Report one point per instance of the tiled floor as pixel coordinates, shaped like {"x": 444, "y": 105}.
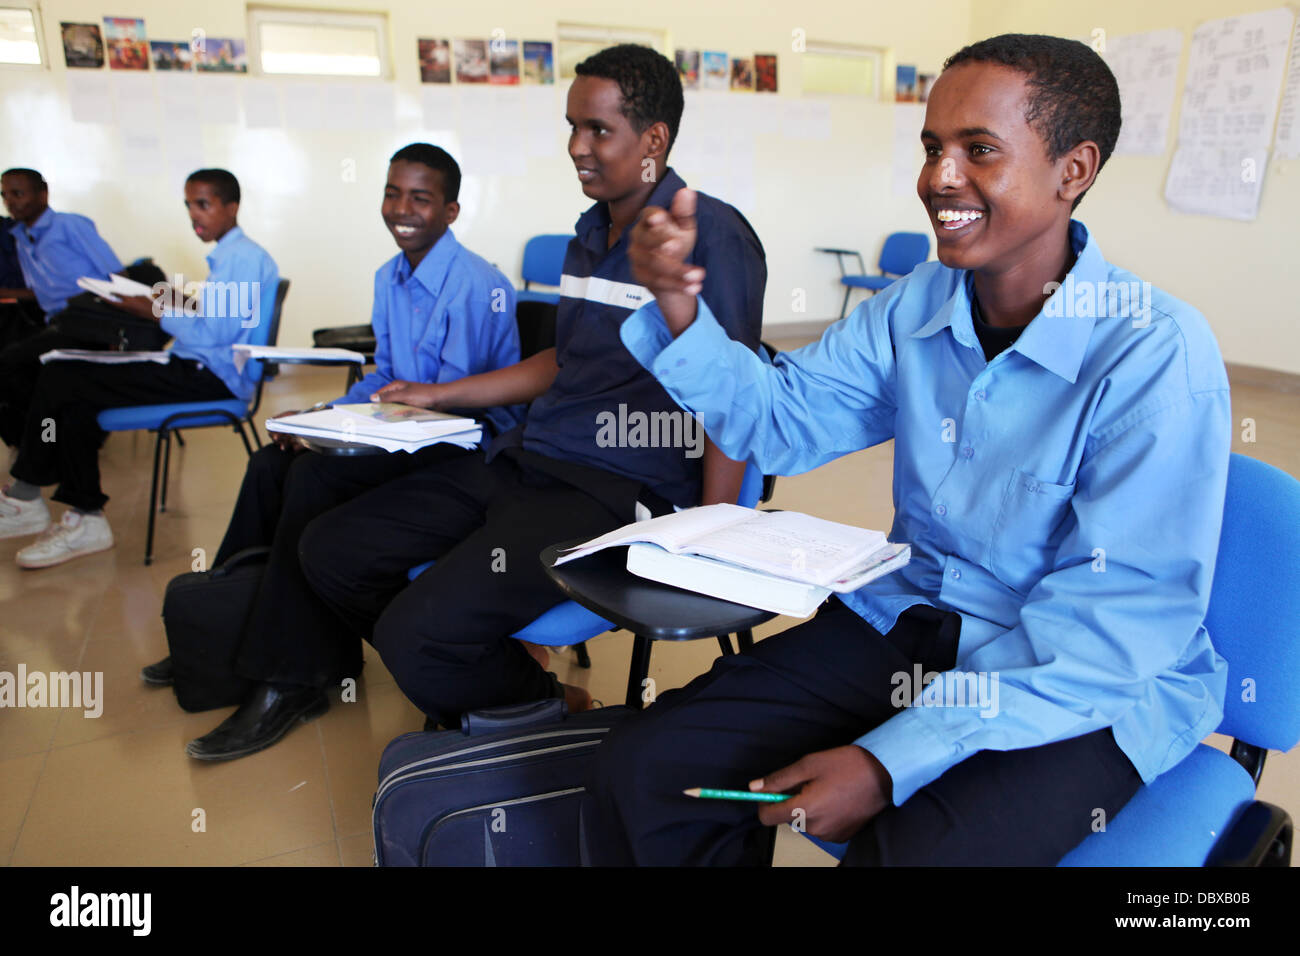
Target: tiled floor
{"x": 119, "y": 790}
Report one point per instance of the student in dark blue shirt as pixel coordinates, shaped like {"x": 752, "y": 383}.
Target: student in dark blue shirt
{"x": 440, "y": 312}
{"x": 581, "y": 464}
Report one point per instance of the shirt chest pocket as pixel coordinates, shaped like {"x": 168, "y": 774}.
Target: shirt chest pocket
{"x": 1030, "y": 527}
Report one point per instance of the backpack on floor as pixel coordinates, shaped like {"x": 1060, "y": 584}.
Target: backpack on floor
{"x": 204, "y": 613}
{"x": 504, "y": 790}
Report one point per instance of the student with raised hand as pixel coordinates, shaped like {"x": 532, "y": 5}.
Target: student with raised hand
{"x": 486, "y": 517}
{"x": 54, "y": 250}
{"x": 1060, "y": 464}
{"x": 61, "y": 436}
{"x": 440, "y": 312}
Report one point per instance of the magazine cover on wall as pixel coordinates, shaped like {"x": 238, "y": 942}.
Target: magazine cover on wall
{"x": 688, "y": 68}
{"x": 503, "y": 62}
{"x": 713, "y": 71}
{"x": 221, "y": 55}
{"x": 742, "y": 74}
{"x": 83, "y": 45}
{"x": 765, "y": 72}
{"x": 435, "y": 61}
{"x": 471, "y": 61}
{"x": 539, "y": 65}
{"x": 127, "y": 48}
{"x": 905, "y": 84}
{"x": 923, "y": 83}
{"x": 171, "y": 55}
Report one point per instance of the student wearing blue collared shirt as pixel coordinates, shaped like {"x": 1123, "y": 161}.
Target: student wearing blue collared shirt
{"x": 1060, "y": 460}
{"x": 446, "y": 636}
{"x": 231, "y": 306}
{"x": 441, "y": 312}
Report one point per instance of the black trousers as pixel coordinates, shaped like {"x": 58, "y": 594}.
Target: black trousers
{"x": 20, "y": 367}
{"x": 446, "y": 635}
{"x": 61, "y": 437}
{"x": 291, "y": 637}
{"x": 816, "y": 686}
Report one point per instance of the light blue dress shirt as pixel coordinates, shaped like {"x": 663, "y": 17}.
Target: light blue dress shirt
{"x": 56, "y": 251}
{"x": 453, "y": 316}
{"x": 238, "y": 301}
{"x": 1064, "y": 498}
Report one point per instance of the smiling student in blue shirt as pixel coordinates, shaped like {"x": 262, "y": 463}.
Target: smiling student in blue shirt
{"x": 236, "y": 299}
{"x": 440, "y": 313}
{"x": 1059, "y": 469}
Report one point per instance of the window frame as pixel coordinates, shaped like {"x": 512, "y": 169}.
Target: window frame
{"x": 877, "y": 56}
{"x": 607, "y": 35}
{"x": 33, "y": 7}
{"x": 376, "y": 20}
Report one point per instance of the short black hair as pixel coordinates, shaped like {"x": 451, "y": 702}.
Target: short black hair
{"x": 222, "y": 181}
{"x": 648, "y": 81}
{"x": 36, "y": 179}
{"x": 436, "y": 158}
{"x": 1073, "y": 96}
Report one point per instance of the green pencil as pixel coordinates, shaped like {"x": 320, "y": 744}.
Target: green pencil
{"x": 706, "y": 794}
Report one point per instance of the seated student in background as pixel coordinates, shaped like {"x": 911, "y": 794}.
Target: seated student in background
{"x": 440, "y": 313}
{"x": 54, "y": 250}
{"x": 1059, "y": 469}
{"x": 485, "y": 517}
{"x": 61, "y": 437}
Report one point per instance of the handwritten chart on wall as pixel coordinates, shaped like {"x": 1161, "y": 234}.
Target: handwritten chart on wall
{"x": 1146, "y": 67}
{"x": 1287, "y": 144}
{"x": 1230, "y": 100}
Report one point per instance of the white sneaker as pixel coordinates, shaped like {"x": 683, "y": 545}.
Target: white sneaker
{"x": 74, "y": 536}
{"x": 18, "y": 518}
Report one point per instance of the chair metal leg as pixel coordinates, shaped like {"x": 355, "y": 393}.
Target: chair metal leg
{"x": 745, "y": 639}
{"x": 724, "y": 642}
{"x": 239, "y": 427}
{"x": 844, "y": 306}
{"x": 257, "y": 439}
{"x": 179, "y": 440}
{"x": 153, "y": 501}
{"x": 166, "y": 437}
{"x": 639, "y": 669}
{"x": 584, "y": 659}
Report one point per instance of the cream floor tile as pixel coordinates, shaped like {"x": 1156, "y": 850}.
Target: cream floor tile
{"x": 19, "y": 775}
{"x": 357, "y": 850}
{"x": 323, "y": 854}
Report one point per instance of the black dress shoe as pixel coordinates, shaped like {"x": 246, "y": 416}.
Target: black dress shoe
{"x": 160, "y": 674}
{"x": 264, "y": 717}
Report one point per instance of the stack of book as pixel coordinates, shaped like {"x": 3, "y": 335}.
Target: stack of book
{"x": 114, "y": 287}
{"x": 385, "y": 425}
{"x": 780, "y": 561}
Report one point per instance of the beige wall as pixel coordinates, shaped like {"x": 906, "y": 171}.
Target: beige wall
{"x": 1235, "y": 273}
{"x": 326, "y": 234}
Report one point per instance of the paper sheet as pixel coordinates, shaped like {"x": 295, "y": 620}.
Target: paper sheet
{"x": 1287, "y": 145}
{"x": 1146, "y": 67}
{"x": 90, "y": 97}
{"x": 262, "y": 104}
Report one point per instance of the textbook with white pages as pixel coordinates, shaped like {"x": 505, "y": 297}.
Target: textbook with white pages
{"x": 781, "y": 561}
{"x": 114, "y": 287}
{"x": 104, "y": 358}
{"x": 271, "y": 353}
{"x": 387, "y": 425}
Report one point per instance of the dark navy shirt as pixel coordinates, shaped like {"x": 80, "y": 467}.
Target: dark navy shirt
{"x": 603, "y": 409}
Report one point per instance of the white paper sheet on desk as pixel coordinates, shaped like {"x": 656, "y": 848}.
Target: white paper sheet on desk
{"x": 243, "y": 352}
{"x": 104, "y": 358}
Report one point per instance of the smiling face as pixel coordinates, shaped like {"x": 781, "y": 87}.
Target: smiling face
{"x": 210, "y": 217}
{"x": 605, "y": 147}
{"x": 996, "y": 199}
{"x": 24, "y": 199}
{"x": 414, "y": 209}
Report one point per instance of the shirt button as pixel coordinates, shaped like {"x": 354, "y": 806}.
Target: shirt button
{"x": 980, "y": 395}
{"x": 1031, "y": 487}
{"x": 941, "y": 510}
{"x": 967, "y": 452}
{"x": 955, "y": 574}
{"x": 681, "y": 362}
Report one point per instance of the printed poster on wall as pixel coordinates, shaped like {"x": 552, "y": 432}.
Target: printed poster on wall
{"x": 83, "y": 46}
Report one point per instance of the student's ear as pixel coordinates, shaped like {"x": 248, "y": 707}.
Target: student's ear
{"x": 451, "y": 211}
{"x": 1078, "y": 170}
{"x": 654, "y": 141}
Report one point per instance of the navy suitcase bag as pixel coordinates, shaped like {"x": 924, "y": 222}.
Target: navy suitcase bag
{"x": 504, "y": 790}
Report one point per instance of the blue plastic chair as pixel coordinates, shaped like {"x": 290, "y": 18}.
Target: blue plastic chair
{"x": 902, "y": 252}
{"x": 1203, "y": 812}
{"x": 164, "y": 420}
{"x": 543, "y": 263}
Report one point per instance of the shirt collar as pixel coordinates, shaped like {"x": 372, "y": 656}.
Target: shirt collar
{"x": 593, "y": 225}
{"x": 1056, "y": 338}
{"x": 223, "y": 246}
{"x": 433, "y": 268}
{"x": 43, "y": 222}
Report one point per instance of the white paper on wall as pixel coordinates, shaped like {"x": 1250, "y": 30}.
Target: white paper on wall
{"x": 543, "y": 121}
{"x": 1287, "y": 145}
{"x": 141, "y": 150}
{"x": 807, "y": 119}
{"x": 90, "y": 98}
{"x": 907, "y": 154}
{"x": 262, "y": 104}
{"x": 441, "y": 107}
{"x": 376, "y": 105}
{"x": 136, "y": 105}
{"x": 1146, "y": 68}
{"x": 179, "y": 95}
{"x": 218, "y": 99}
{"x": 1217, "y": 181}
{"x": 304, "y": 105}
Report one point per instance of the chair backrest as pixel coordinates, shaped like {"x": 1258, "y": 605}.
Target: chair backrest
{"x": 1254, "y": 613}
{"x": 544, "y": 259}
{"x": 903, "y": 252}
{"x": 270, "y": 337}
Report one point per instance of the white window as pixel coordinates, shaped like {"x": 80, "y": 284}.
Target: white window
{"x": 318, "y": 43}
{"x": 578, "y": 41}
{"x": 20, "y": 37}
{"x": 840, "y": 68}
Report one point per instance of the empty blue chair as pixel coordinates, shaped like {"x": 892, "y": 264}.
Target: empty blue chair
{"x": 544, "y": 264}
{"x": 902, "y": 252}
{"x": 1203, "y": 812}
{"x": 163, "y": 420}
